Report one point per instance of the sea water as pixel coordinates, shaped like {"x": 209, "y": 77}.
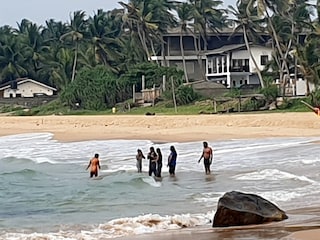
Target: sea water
{"x": 45, "y": 191}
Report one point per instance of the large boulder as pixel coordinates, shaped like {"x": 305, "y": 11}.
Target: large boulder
{"x": 237, "y": 208}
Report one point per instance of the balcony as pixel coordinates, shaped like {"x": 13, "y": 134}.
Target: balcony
{"x": 239, "y": 69}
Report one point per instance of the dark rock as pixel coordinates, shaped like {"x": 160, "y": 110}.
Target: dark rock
{"x": 237, "y": 208}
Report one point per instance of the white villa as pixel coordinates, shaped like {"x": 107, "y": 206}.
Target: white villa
{"x": 224, "y": 59}
{"x": 232, "y": 66}
{"x": 25, "y": 87}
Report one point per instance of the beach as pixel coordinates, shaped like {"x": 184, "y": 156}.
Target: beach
{"x": 181, "y": 128}
{"x": 178, "y": 128}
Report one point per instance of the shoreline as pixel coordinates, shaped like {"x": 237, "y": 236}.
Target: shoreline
{"x": 175, "y": 128}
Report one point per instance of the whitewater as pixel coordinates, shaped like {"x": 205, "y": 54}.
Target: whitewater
{"x": 46, "y": 192}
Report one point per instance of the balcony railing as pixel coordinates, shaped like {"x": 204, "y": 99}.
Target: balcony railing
{"x": 231, "y": 69}
{"x": 239, "y": 69}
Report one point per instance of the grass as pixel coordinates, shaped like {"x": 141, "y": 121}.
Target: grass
{"x": 161, "y": 108}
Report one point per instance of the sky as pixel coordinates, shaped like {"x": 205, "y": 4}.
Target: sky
{"x": 38, "y": 11}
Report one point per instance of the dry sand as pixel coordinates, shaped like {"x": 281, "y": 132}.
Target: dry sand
{"x": 179, "y": 128}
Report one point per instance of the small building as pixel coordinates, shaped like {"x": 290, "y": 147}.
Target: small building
{"x": 25, "y": 87}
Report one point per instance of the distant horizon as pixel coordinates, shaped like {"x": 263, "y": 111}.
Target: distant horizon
{"x": 38, "y": 11}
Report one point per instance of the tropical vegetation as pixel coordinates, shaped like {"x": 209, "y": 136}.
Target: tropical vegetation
{"x": 95, "y": 60}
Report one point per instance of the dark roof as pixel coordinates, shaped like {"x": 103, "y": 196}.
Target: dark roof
{"x": 226, "y": 48}
{"x": 231, "y": 47}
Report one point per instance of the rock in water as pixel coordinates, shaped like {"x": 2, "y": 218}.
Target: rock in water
{"x": 237, "y": 208}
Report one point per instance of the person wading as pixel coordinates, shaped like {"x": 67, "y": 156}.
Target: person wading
{"x": 152, "y": 156}
{"x": 94, "y": 164}
{"x": 207, "y": 155}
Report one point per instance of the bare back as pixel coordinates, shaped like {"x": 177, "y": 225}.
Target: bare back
{"x": 94, "y": 164}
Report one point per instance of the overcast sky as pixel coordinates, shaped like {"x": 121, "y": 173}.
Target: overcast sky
{"x": 38, "y": 11}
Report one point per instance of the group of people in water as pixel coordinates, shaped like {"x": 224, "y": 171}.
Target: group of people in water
{"x": 155, "y": 161}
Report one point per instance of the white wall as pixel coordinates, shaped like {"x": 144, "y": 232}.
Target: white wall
{"x": 301, "y": 87}
{"x": 27, "y": 89}
{"x": 257, "y": 52}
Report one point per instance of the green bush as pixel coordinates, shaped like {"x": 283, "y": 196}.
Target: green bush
{"x": 271, "y": 93}
{"x": 185, "y": 95}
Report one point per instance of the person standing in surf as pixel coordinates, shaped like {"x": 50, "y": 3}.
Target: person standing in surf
{"x": 139, "y": 158}
{"x": 207, "y": 155}
{"x": 159, "y": 162}
{"x": 152, "y": 156}
{"x": 172, "y": 161}
{"x": 94, "y": 164}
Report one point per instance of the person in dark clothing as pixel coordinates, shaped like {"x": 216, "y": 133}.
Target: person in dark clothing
{"x": 172, "y": 161}
{"x": 152, "y": 156}
{"x": 159, "y": 162}
{"x": 139, "y": 158}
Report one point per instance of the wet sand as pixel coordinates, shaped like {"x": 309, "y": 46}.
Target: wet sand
{"x": 184, "y": 128}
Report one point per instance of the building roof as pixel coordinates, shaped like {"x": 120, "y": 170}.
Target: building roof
{"x": 231, "y": 47}
{"x": 226, "y": 48}
{"x": 209, "y": 32}
{"x": 20, "y": 81}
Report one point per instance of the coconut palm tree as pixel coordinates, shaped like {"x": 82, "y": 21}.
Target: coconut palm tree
{"x": 12, "y": 60}
{"x": 138, "y": 18}
{"x": 208, "y": 16}
{"x": 185, "y": 16}
{"x": 35, "y": 47}
{"x": 105, "y": 38}
{"x": 249, "y": 26}
{"x": 270, "y": 9}
{"x": 149, "y": 19}
{"x": 76, "y": 30}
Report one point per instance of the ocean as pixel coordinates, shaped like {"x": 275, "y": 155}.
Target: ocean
{"x": 46, "y": 193}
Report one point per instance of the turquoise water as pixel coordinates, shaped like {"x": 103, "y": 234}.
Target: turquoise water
{"x": 46, "y": 192}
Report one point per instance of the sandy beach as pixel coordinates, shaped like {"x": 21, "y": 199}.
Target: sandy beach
{"x": 178, "y": 128}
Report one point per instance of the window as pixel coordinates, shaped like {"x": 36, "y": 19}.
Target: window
{"x": 263, "y": 60}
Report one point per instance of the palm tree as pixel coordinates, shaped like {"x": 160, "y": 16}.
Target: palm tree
{"x": 308, "y": 53}
{"x": 104, "y": 35}
{"x": 207, "y": 15}
{"x": 268, "y": 9}
{"x": 139, "y": 19}
{"x": 185, "y": 16}
{"x": 77, "y": 29}
{"x": 148, "y": 19}
{"x": 12, "y": 60}
{"x": 249, "y": 25}
{"x": 30, "y": 36}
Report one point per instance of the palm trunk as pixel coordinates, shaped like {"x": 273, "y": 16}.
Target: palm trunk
{"x": 154, "y": 51}
{"x": 74, "y": 63}
{"x": 195, "y": 42}
{"x": 251, "y": 56}
{"x": 183, "y": 58}
{"x": 143, "y": 42}
{"x": 275, "y": 36}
